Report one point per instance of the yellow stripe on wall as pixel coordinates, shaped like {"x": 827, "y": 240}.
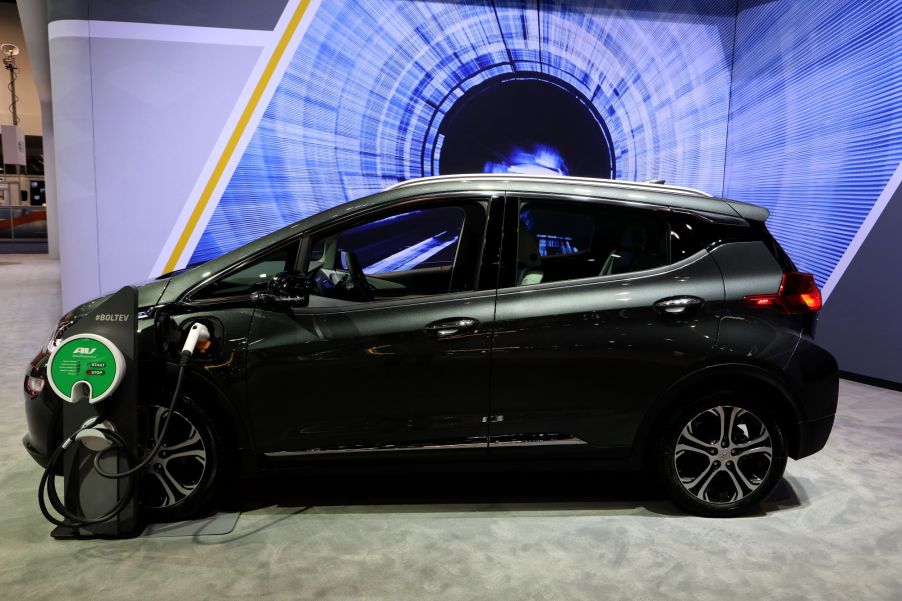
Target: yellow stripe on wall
{"x": 236, "y": 136}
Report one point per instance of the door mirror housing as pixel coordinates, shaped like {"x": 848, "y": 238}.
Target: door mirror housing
{"x": 286, "y": 288}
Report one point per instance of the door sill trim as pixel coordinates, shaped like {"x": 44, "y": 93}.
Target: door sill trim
{"x": 510, "y": 441}
{"x": 515, "y": 442}
{"x": 483, "y": 444}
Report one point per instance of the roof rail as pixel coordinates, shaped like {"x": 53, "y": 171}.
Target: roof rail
{"x": 562, "y": 179}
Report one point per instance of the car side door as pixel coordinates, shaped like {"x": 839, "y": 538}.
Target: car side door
{"x": 400, "y": 374}
{"x": 601, "y": 307}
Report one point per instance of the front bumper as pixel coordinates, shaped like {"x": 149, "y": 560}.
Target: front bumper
{"x": 42, "y": 416}
{"x": 813, "y": 436}
{"x": 42, "y": 458}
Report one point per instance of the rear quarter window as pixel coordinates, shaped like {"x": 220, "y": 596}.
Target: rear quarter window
{"x": 704, "y": 232}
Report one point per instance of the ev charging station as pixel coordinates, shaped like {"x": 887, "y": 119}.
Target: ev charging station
{"x": 94, "y": 369}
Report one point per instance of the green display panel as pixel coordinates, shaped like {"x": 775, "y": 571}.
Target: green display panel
{"x": 86, "y": 359}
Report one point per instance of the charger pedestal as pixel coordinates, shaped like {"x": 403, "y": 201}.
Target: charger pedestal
{"x": 99, "y": 355}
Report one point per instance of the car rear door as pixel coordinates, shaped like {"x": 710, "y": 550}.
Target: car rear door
{"x": 601, "y": 307}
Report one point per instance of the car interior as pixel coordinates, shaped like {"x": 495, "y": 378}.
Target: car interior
{"x": 560, "y": 241}
{"x": 410, "y": 254}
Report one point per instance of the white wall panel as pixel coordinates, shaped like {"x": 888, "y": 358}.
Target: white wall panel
{"x": 159, "y": 109}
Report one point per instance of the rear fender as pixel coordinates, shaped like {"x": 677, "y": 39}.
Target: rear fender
{"x": 773, "y": 389}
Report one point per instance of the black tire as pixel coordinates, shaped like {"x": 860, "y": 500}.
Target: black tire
{"x": 710, "y": 477}
{"x": 180, "y": 485}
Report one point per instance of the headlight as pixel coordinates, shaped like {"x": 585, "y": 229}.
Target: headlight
{"x": 57, "y": 335}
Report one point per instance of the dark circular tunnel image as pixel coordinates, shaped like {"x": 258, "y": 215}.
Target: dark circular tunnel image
{"x": 525, "y": 123}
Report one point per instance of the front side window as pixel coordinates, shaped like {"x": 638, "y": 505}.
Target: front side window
{"x": 254, "y": 277}
{"x": 404, "y": 254}
{"x": 560, "y": 241}
{"x": 421, "y": 239}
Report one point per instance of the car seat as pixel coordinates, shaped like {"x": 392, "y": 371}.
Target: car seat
{"x": 631, "y": 256}
{"x": 529, "y": 260}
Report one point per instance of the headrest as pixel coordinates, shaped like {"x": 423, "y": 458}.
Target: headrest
{"x": 634, "y": 238}
{"x": 528, "y": 247}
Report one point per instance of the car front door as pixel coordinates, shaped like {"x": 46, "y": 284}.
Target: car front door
{"x": 398, "y": 368}
{"x": 602, "y": 308}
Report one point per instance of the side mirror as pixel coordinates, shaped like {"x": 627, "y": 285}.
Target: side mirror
{"x": 287, "y": 288}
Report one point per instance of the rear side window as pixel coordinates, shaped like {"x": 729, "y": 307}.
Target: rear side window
{"x": 684, "y": 240}
{"x": 560, "y": 241}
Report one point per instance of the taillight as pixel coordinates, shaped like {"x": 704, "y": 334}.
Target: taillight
{"x": 798, "y": 294}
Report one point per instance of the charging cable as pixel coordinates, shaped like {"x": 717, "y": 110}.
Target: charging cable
{"x": 48, "y": 483}
{"x": 198, "y": 335}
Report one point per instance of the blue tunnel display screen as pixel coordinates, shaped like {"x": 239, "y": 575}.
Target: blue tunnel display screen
{"x": 381, "y": 91}
{"x": 524, "y": 123}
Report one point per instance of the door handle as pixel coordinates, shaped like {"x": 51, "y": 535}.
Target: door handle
{"x": 676, "y": 305}
{"x": 449, "y": 327}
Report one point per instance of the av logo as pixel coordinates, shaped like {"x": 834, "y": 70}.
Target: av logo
{"x": 83, "y": 350}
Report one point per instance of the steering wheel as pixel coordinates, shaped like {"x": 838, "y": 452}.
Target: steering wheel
{"x": 359, "y": 285}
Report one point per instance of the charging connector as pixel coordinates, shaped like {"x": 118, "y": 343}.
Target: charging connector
{"x": 198, "y": 339}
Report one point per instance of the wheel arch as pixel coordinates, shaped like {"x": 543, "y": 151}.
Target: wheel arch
{"x": 214, "y": 402}
{"x": 734, "y": 376}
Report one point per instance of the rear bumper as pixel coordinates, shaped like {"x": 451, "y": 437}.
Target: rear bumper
{"x": 813, "y": 436}
{"x": 816, "y": 377}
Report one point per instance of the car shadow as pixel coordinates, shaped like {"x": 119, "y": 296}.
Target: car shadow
{"x": 788, "y": 494}
{"x": 596, "y": 492}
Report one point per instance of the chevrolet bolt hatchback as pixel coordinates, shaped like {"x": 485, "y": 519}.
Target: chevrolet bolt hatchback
{"x": 489, "y": 320}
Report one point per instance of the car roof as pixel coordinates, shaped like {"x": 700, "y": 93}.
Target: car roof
{"x": 644, "y": 192}
{"x": 518, "y": 178}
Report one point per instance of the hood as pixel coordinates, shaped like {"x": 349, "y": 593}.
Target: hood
{"x": 149, "y": 294}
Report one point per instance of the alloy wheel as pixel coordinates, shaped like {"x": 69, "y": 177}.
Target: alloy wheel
{"x": 175, "y": 471}
{"x": 723, "y": 454}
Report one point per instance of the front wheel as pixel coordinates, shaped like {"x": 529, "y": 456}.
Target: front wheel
{"x": 721, "y": 457}
{"x": 180, "y": 481}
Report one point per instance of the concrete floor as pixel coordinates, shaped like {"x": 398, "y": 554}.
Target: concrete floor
{"x": 832, "y": 530}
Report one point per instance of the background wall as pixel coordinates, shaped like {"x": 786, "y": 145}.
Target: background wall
{"x": 211, "y": 123}
{"x": 815, "y": 127}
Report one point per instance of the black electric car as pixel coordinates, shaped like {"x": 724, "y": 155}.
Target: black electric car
{"x": 487, "y": 320}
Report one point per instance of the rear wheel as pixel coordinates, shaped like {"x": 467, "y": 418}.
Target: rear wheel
{"x": 722, "y": 456}
{"x": 180, "y": 481}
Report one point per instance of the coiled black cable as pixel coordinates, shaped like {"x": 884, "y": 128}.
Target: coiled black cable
{"x": 48, "y": 483}
{"x": 48, "y": 480}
